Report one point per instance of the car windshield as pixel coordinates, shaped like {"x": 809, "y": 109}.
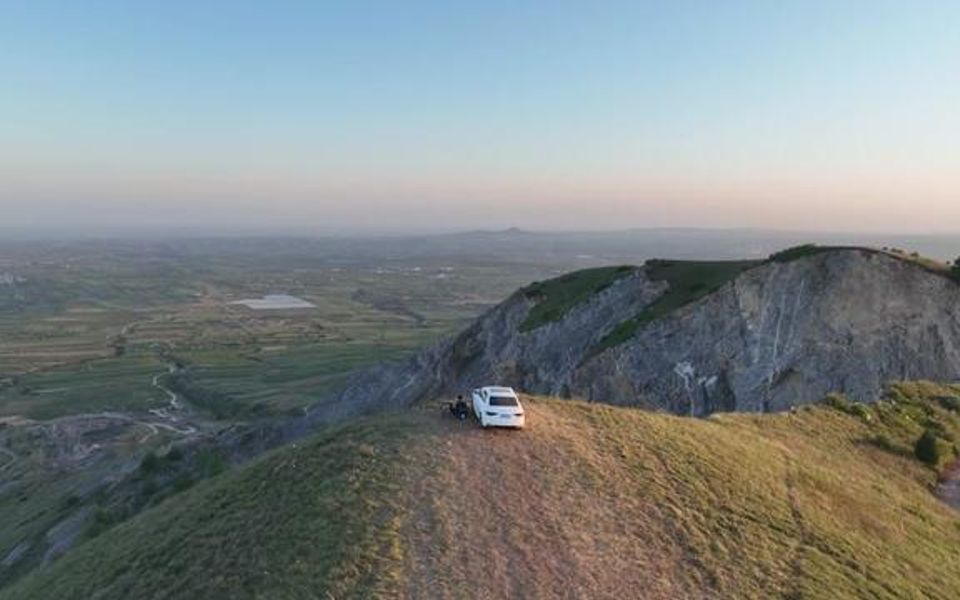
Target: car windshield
{"x": 502, "y": 401}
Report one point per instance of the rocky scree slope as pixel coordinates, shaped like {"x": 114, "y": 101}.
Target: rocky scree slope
{"x": 696, "y": 338}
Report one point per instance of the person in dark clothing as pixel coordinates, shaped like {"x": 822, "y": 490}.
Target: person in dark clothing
{"x": 459, "y": 408}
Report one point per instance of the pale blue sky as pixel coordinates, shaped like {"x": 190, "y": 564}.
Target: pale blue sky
{"x": 835, "y": 115}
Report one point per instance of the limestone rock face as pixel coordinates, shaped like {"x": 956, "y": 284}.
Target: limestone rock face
{"x": 789, "y": 333}
{"x": 778, "y": 335}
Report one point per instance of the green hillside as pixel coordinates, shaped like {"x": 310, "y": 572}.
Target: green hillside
{"x": 589, "y": 501}
{"x": 555, "y": 297}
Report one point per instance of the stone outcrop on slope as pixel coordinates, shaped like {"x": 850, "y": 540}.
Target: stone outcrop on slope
{"x": 777, "y": 335}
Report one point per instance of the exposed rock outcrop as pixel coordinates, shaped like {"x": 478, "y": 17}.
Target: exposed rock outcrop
{"x": 777, "y": 335}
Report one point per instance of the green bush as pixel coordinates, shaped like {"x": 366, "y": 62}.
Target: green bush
{"x": 840, "y": 402}
{"x": 210, "y": 463}
{"x": 955, "y": 270}
{"x": 150, "y": 463}
{"x": 861, "y": 410}
{"x": 182, "y": 482}
{"x": 951, "y": 403}
{"x": 926, "y": 448}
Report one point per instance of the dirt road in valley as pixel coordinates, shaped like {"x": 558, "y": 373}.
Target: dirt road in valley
{"x": 170, "y": 412}
{"x": 531, "y": 514}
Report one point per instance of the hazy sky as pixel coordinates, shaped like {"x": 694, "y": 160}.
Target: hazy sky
{"x": 448, "y": 114}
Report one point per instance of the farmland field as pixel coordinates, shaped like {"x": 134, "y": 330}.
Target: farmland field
{"x": 126, "y": 367}
{"x": 115, "y": 352}
{"x": 86, "y": 326}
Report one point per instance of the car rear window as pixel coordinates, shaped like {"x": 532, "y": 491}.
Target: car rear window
{"x": 502, "y": 401}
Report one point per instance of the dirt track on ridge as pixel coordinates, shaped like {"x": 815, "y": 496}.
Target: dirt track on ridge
{"x": 520, "y": 514}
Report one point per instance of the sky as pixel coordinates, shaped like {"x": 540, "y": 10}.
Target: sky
{"x": 447, "y": 115}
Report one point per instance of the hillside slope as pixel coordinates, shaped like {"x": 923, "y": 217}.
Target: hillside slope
{"x": 590, "y": 501}
{"x": 698, "y": 337}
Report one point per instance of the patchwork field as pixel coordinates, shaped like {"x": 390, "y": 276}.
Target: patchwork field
{"x": 85, "y": 327}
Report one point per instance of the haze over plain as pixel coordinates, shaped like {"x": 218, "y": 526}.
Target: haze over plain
{"x": 379, "y": 116}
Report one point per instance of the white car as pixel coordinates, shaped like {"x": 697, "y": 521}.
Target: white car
{"x": 498, "y": 407}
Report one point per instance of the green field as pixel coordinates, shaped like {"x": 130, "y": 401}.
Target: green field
{"x": 85, "y": 327}
{"x": 123, "y": 383}
{"x": 282, "y": 381}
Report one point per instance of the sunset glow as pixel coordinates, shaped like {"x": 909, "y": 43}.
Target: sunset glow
{"x": 382, "y": 115}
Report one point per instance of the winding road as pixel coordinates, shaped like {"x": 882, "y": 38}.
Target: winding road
{"x": 167, "y": 413}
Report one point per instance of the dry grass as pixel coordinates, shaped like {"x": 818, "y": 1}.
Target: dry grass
{"x": 593, "y": 501}
{"x": 590, "y": 501}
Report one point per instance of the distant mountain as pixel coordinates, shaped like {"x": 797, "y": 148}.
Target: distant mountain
{"x": 699, "y": 337}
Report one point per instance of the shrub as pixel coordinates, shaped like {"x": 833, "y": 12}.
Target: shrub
{"x": 211, "y": 463}
{"x": 955, "y": 270}
{"x": 102, "y": 520}
{"x": 839, "y": 401}
{"x": 150, "y": 463}
{"x": 861, "y": 410}
{"x": 951, "y": 403}
{"x": 926, "y": 448}
{"x": 182, "y": 482}
{"x": 148, "y": 490}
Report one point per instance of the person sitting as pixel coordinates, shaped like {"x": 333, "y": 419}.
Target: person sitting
{"x": 459, "y": 408}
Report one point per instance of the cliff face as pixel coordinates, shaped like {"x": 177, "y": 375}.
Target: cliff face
{"x": 788, "y": 333}
{"x": 776, "y": 335}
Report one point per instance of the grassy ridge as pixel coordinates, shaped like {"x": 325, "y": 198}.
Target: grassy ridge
{"x": 555, "y": 297}
{"x": 827, "y": 502}
{"x": 689, "y": 281}
{"x": 311, "y": 520}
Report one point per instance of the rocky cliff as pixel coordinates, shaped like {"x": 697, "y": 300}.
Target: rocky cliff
{"x": 758, "y": 337}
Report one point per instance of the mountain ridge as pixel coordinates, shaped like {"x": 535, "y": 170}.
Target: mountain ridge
{"x": 764, "y": 337}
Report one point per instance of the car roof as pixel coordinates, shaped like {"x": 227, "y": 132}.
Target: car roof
{"x": 493, "y": 389}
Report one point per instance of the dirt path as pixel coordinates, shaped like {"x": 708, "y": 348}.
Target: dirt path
{"x": 949, "y": 487}
{"x": 522, "y": 514}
